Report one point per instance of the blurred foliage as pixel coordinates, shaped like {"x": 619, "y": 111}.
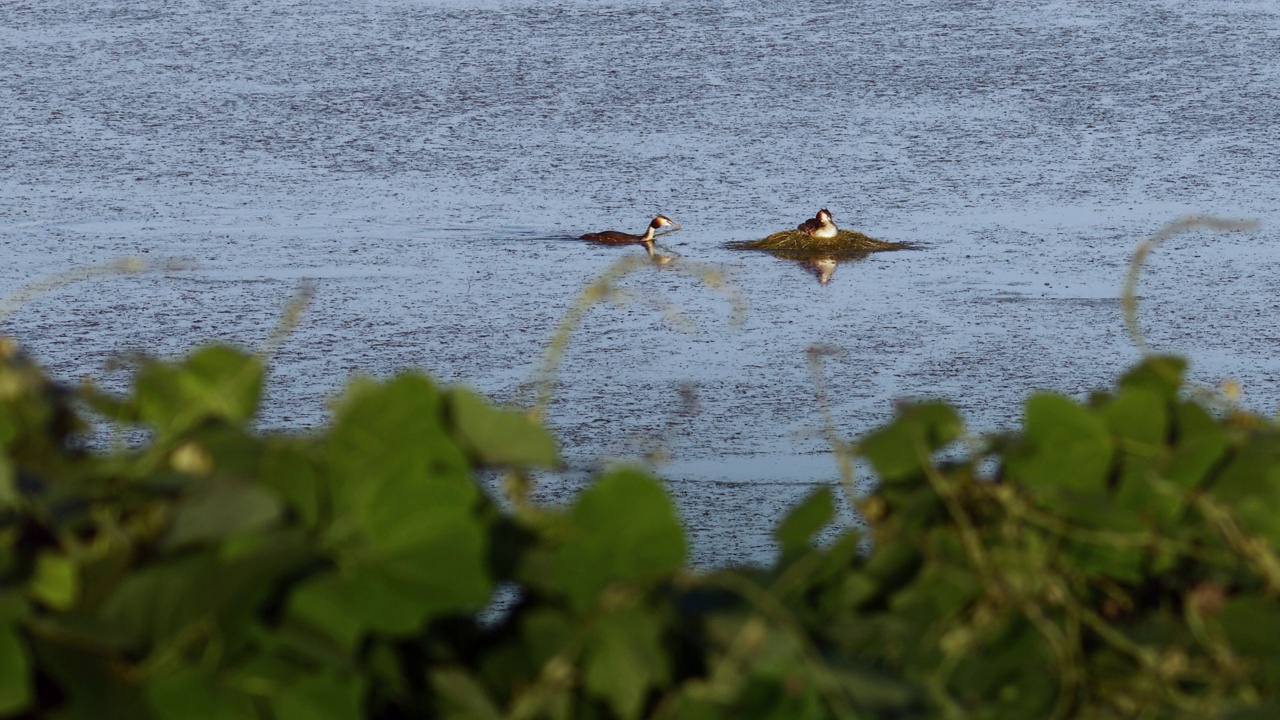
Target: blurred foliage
{"x": 1112, "y": 559}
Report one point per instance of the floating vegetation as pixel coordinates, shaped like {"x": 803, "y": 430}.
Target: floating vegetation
{"x": 819, "y": 256}
{"x": 846, "y": 243}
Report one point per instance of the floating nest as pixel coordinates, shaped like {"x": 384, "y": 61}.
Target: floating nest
{"x": 846, "y": 243}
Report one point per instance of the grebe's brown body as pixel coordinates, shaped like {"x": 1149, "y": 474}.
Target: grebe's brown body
{"x": 820, "y": 226}
{"x": 613, "y": 237}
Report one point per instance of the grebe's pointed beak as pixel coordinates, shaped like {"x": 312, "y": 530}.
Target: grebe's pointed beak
{"x": 675, "y": 225}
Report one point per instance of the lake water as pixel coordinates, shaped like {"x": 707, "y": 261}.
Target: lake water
{"x": 427, "y": 164}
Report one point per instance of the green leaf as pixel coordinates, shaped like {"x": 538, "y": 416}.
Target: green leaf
{"x": 623, "y": 528}
{"x": 1099, "y": 509}
{"x": 1201, "y": 444}
{"x": 900, "y": 450}
{"x": 464, "y": 695}
{"x": 1139, "y": 419}
{"x": 406, "y": 504}
{"x": 879, "y": 691}
{"x": 1160, "y": 374}
{"x": 89, "y": 684}
{"x": 15, "y": 671}
{"x": 1066, "y": 447}
{"x": 323, "y": 603}
{"x": 1250, "y": 483}
{"x": 624, "y": 660}
{"x": 1241, "y": 478}
{"x": 9, "y": 496}
{"x": 546, "y": 632}
{"x": 438, "y": 567}
{"x": 289, "y": 468}
{"x": 1139, "y": 416}
{"x": 397, "y": 585}
{"x": 1116, "y": 562}
{"x": 940, "y": 591}
{"x": 13, "y": 607}
{"x": 219, "y": 509}
{"x": 392, "y": 459}
{"x": 56, "y": 581}
{"x": 373, "y": 602}
{"x": 693, "y": 705}
{"x": 892, "y": 564}
{"x": 1266, "y": 711}
{"x": 213, "y": 382}
{"x": 189, "y": 694}
{"x": 1252, "y": 625}
{"x": 1147, "y": 498}
{"x": 323, "y": 696}
{"x": 839, "y": 558}
{"x": 856, "y": 589}
{"x": 500, "y": 437}
{"x": 156, "y": 604}
{"x": 805, "y": 519}
{"x": 1011, "y": 677}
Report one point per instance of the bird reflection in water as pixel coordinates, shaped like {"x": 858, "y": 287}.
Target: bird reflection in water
{"x": 821, "y": 265}
{"x": 657, "y": 257}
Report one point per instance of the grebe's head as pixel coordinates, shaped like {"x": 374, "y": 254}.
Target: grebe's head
{"x": 663, "y": 221}
{"x": 824, "y": 215}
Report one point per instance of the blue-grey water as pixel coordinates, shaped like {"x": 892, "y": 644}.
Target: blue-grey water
{"x": 426, "y": 165}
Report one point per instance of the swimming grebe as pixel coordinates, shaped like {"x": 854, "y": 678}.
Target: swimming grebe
{"x": 618, "y": 238}
{"x": 820, "y": 226}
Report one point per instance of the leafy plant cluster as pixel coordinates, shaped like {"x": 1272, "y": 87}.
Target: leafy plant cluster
{"x": 1113, "y": 559}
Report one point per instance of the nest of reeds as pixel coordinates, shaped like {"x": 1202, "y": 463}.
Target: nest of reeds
{"x": 795, "y": 242}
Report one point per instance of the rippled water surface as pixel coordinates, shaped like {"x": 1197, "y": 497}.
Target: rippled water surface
{"x": 428, "y": 163}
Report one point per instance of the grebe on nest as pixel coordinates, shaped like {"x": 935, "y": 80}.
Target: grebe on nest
{"x": 820, "y": 226}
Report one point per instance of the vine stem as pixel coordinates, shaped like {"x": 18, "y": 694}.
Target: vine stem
{"x": 47, "y": 284}
{"x": 605, "y": 288}
{"x": 838, "y": 445}
{"x": 289, "y": 320}
{"x": 1129, "y": 295}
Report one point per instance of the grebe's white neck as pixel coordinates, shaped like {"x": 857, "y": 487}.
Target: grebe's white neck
{"x": 827, "y": 231}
